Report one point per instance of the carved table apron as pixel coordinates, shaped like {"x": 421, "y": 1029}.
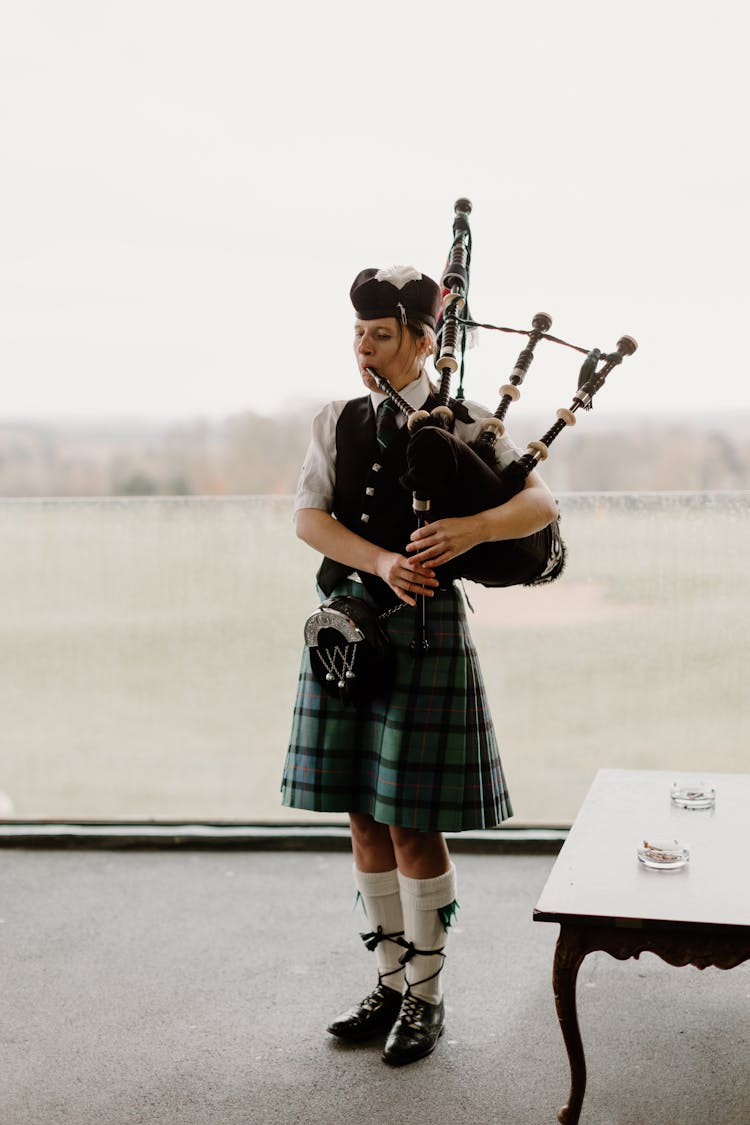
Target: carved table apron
{"x": 604, "y": 899}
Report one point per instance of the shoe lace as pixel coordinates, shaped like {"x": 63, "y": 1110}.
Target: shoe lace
{"x": 374, "y": 999}
{"x": 412, "y": 1009}
{"x": 373, "y": 940}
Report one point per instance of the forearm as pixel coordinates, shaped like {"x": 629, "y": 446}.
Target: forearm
{"x": 528, "y": 511}
{"x": 325, "y": 534}
{"x": 406, "y": 577}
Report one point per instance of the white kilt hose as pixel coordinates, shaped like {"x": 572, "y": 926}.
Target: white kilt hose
{"x": 425, "y": 757}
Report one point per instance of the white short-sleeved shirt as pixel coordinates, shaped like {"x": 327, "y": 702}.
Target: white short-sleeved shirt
{"x": 317, "y": 478}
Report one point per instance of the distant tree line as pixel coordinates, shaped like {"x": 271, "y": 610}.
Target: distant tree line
{"x": 250, "y": 453}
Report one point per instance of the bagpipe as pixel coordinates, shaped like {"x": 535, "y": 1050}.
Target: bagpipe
{"x": 450, "y": 477}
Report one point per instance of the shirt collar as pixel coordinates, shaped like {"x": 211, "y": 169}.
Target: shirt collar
{"x": 415, "y": 393}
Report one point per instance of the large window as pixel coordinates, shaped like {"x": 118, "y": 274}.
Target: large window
{"x": 149, "y": 651}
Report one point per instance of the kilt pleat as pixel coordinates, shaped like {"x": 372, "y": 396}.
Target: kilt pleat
{"x": 425, "y": 757}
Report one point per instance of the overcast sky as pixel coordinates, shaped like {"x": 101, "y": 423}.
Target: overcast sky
{"x": 188, "y": 188}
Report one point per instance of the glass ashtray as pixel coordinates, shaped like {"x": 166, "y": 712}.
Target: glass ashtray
{"x": 665, "y": 855}
{"x": 699, "y": 795}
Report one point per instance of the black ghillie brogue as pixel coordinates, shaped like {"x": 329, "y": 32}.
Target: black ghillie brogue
{"x": 416, "y": 1031}
{"x": 372, "y": 1016}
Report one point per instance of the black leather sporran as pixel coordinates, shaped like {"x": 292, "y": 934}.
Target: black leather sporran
{"x": 350, "y": 654}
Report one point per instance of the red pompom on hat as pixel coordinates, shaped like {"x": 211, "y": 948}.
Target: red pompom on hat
{"x": 400, "y": 291}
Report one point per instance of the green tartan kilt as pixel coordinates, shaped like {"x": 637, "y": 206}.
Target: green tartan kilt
{"x": 424, "y": 757}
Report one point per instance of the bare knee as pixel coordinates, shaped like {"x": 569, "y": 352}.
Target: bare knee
{"x": 420, "y": 855}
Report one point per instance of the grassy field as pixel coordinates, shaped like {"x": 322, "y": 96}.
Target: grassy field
{"x": 149, "y": 652}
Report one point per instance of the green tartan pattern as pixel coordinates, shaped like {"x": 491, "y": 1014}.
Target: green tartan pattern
{"x": 426, "y": 757}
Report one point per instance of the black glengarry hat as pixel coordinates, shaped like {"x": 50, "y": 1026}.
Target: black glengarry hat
{"x": 400, "y": 291}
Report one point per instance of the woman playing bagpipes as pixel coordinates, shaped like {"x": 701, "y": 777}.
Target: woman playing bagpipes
{"x": 420, "y": 757}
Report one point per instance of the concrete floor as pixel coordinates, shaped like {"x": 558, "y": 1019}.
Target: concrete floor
{"x": 181, "y": 987}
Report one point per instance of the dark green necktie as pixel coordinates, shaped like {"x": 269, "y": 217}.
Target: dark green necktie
{"x": 386, "y": 426}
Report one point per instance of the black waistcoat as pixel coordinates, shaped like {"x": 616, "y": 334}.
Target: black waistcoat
{"x": 368, "y": 498}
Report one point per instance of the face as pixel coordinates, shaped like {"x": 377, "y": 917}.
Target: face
{"x": 390, "y": 350}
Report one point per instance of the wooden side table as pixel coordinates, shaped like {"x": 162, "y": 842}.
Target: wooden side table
{"x": 605, "y": 899}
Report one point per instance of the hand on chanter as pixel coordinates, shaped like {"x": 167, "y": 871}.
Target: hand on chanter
{"x": 406, "y": 577}
{"x": 439, "y": 542}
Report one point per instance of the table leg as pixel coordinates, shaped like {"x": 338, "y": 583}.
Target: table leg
{"x": 569, "y": 954}
{"x": 722, "y": 946}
